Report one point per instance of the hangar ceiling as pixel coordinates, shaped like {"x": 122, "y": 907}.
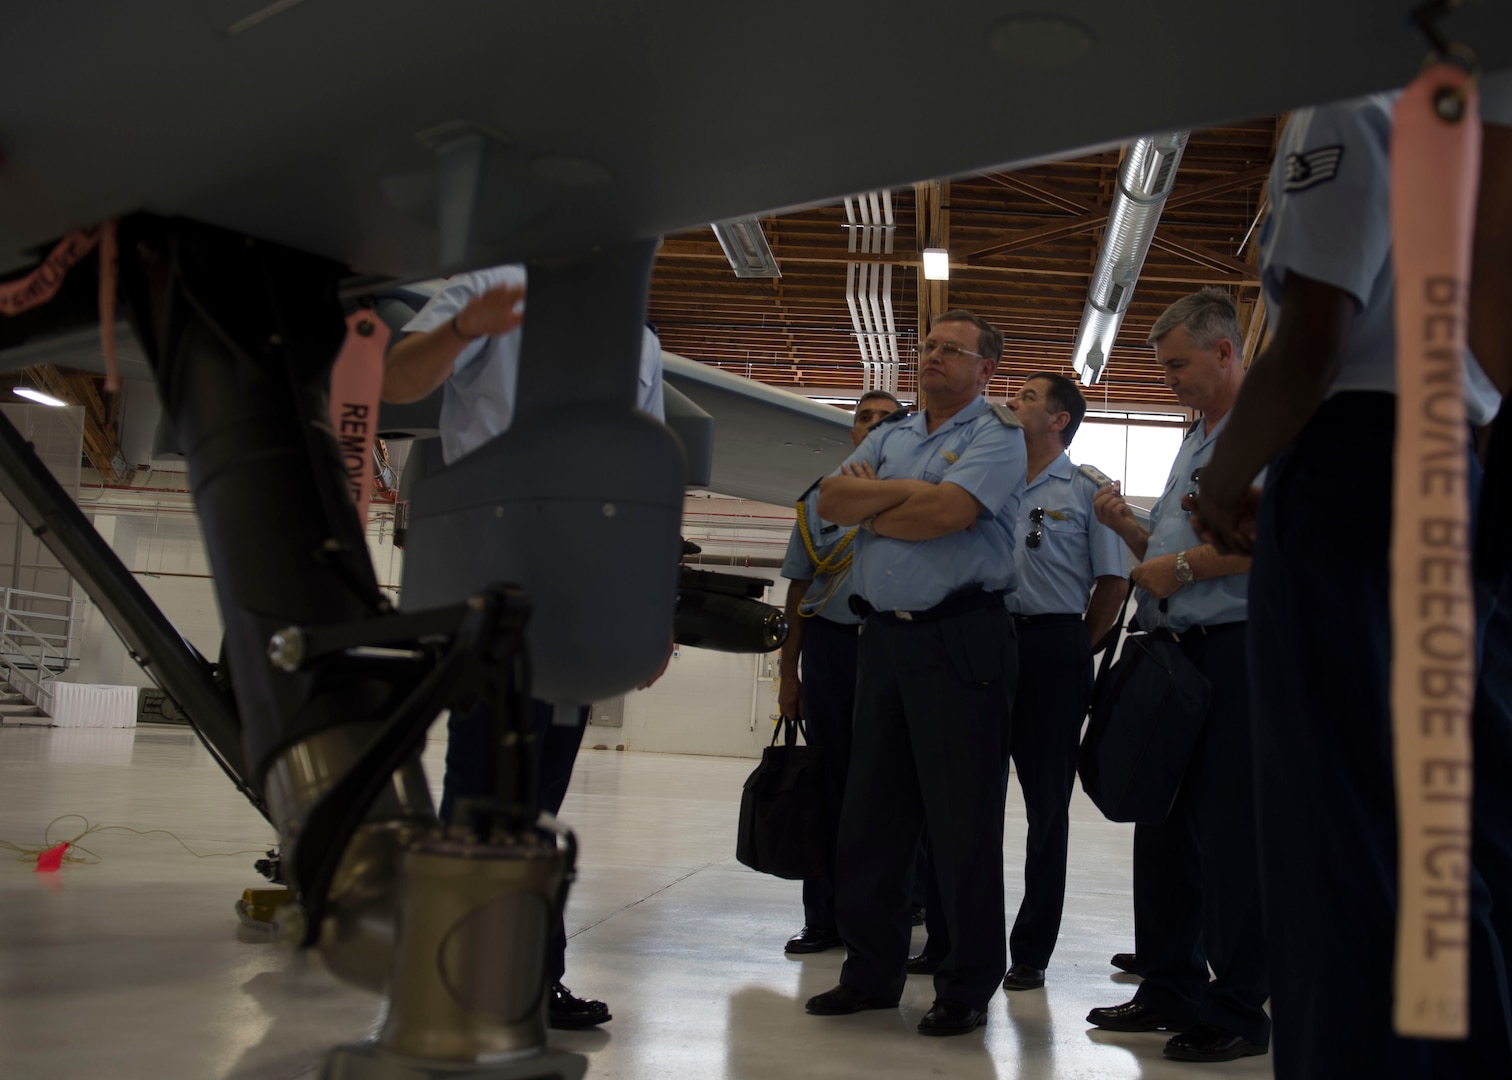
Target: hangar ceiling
{"x": 1022, "y": 247}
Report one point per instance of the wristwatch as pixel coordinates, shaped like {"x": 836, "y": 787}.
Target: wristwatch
{"x": 869, "y": 523}
{"x": 1183, "y": 569}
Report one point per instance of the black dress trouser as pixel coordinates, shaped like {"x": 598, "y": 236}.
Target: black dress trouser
{"x": 933, "y": 701}
{"x": 1055, "y": 681}
{"x": 829, "y": 701}
{"x": 470, "y": 759}
{"x": 1196, "y": 875}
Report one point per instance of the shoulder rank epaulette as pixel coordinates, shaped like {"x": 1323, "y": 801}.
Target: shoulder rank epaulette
{"x": 810, "y": 488}
{"x": 891, "y": 418}
{"x": 1008, "y": 417}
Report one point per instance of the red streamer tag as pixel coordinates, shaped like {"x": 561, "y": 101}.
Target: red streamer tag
{"x": 1435, "y": 165}
{"x": 52, "y": 859}
{"x": 356, "y": 380}
{"x": 43, "y": 283}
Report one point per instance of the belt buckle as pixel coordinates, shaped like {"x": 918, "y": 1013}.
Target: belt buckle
{"x": 906, "y": 616}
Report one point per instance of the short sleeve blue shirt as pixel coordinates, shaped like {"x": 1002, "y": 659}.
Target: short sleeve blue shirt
{"x": 829, "y": 593}
{"x": 973, "y": 449}
{"x": 1202, "y": 603}
{"x": 477, "y": 402}
{"x": 1074, "y": 549}
{"x": 1330, "y": 221}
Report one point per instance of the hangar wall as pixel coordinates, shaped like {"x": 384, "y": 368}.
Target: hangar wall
{"x": 708, "y": 703}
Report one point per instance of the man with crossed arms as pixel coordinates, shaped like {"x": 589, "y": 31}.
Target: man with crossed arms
{"x": 934, "y": 493}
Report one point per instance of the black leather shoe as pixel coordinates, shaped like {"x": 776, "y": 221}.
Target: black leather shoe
{"x": 917, "y": 918}
{"x": 1126, "y": 961}
{"x": 811, "y": 939}
{"x": 947, "y": 1017}
{"x": 566, "y": 1012}
{"x": 844, "y": 1000}
{"x": 1208, "y": 1043}
{"x": 921, "y": 965}
{"x": 1024, "y": 977}
{"x": 1131, "y": 1016}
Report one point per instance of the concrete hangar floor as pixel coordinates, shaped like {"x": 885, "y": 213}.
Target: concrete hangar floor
{"x": 136, "y": 968}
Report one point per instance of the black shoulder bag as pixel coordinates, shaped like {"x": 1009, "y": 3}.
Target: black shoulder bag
{"x": 1147, "y": 712}
{"x": 782, "y": 809}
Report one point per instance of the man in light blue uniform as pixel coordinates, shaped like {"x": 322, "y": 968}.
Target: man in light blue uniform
{"x": 1320, "y": 406}
{"x": 934, "y": 493}
{"x": 1063, "y": 556}
{"x": 1196, "y": 893}
{"x": 1071, "y": 583}
{"x": 823, "y": 631}
{"x": 467, "y": 340}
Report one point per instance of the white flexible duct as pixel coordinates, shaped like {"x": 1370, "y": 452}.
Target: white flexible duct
{"x": 1145, "y": 179}
{"x": 890, "y": 370}
{"x": 879, "y": 343}
{"x": 863, "y": 292}
{"x": 868, "y": 289}
{"x": 851, "y": 269}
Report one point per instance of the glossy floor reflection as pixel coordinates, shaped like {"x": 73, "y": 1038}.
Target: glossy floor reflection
{"x": 136, "y": 968}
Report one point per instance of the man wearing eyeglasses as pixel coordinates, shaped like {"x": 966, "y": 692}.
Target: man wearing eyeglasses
{"x": 1071, "y": 582}
{"x": 934, "y": 494}
{"x": 824, "y": 632}
{"x": 1196, "y": 888}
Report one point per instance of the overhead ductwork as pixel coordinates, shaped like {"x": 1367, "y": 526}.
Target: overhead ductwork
{"x": 868, "y": 288}
{"x": 1145, "y": 178}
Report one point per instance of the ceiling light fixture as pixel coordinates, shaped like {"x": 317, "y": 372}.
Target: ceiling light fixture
{"x": 936, "y": 264}
{"x": 38, "y": 396}
{"x": 745, "y": 245}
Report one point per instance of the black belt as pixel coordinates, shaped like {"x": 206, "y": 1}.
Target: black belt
{"x": 842, "y": 627}
{"x": 1199, "y": 630}
{"x": 1051, "y": 618}
{"x": 968, "y": 599}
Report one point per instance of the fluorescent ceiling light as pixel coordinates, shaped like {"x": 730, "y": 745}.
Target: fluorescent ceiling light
{"x": 38, "y": 396}
{"x": 745, "y": 245}
{"x": 936, "y": 264}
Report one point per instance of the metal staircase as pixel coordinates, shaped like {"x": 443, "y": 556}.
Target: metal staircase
{"x": 36, "y": 646}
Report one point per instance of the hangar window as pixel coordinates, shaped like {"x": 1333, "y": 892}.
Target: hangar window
{"x": 1135, "y": 448}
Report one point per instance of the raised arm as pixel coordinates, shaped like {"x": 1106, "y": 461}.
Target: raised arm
{"x": 422, "y": 361}
{"x": 1116, "y": 514}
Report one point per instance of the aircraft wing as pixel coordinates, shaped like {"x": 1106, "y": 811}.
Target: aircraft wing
{"x": 320, "y": 124}
{"x": 769, "y": 445}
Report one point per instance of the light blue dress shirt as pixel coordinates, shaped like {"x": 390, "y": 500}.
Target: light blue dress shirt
{"x": 973, "y": 449}
{"x": 1202, "y": 603}
{"x": 1074, "y": 550}
{"x": 478, "y": 400}
{"x": 1330, "y": 221}
{"x": 829, "y": 595}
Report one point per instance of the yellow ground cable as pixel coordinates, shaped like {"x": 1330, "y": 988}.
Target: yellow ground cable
{"x": 836, "y": 564}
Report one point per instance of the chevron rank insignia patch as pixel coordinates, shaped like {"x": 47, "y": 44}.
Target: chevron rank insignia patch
{"x": 1315, "y": 167}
